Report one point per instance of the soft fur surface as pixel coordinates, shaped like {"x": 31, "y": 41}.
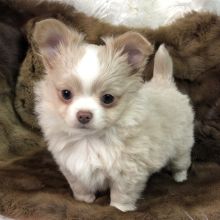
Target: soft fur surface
{"x": 141, "y": 13}
{"x": 32, "y": 188}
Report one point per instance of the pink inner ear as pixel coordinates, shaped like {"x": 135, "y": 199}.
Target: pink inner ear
{"x": 135, "y": 57}
{"x": 54, "y": 40}
{"x": 50, "y": 48}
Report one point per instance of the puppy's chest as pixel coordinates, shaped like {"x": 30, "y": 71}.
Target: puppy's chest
{"x": 88, "y": 155}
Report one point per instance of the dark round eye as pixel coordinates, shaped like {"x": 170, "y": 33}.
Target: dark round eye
{"x": 107, "y": 99}
{"x": 66, "y": 94}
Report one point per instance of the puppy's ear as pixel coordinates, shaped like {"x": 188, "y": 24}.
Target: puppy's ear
{"x": 137, "y": 48}
{"x": 50, "y": 35}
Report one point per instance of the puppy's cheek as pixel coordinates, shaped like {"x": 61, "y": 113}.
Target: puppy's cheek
{"x": 111, "y": 117}
{"x": 113, "y": 114}
{"x": 70, "y": 118}
{"x": 99, "y": 119}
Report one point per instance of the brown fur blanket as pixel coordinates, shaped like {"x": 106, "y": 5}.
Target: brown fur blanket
{"x": 31, "y": 187}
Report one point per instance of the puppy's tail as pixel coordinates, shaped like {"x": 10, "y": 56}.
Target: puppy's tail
{"x": 163, "y": 66}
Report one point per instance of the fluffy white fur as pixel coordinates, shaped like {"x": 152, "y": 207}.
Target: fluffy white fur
{"x": 142, "y": 13}
{"x": 149, "y": 126}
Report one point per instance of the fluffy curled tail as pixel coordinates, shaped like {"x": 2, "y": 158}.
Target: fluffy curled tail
{"x": 163, "y": 66}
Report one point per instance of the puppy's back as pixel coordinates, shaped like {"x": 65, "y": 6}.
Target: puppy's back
{"x": 160, "y": 102}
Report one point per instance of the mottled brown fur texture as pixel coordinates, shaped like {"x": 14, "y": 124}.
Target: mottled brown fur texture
{"x": 31, "y": 187}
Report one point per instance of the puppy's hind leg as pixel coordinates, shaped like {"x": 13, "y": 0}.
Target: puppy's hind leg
{"x": 180, "y": 165}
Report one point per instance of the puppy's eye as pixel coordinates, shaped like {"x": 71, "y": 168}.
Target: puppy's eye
{"x": 107, "y": 99}
{"x": 66, "y": 94}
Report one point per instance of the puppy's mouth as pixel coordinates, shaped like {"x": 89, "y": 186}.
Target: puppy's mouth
{"x": 82, "y": 126}
{"x": 90, "y": 127}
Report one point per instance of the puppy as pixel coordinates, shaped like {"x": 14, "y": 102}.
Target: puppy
{"x": 104, "y": 127}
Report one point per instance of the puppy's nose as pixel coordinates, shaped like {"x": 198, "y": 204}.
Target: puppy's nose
{"x": 84, "y": 117}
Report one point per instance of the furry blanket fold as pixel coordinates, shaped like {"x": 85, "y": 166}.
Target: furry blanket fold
{"x": 31, "y": 187}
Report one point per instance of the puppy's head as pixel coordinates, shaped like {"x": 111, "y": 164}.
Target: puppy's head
{"x": 89, "y": 86}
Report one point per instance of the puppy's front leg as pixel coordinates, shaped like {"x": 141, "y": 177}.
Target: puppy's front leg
{"x": 126, "y": 189}
{"x": 80, "y": 192}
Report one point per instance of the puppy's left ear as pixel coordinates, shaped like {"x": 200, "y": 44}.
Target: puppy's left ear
{"x": 136, "y": 47}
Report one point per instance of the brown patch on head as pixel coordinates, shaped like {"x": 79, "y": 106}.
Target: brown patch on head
{"x": 67, "y": 81}
{"x": 122, "y": 61}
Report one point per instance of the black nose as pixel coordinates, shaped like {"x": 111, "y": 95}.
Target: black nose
{"x": 84, "y": 117}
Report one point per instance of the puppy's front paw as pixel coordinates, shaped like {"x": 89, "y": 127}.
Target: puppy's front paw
{"x": 123, "y": 207}
{"x": 180, "y": 176}
{"x": 89, "y": 198}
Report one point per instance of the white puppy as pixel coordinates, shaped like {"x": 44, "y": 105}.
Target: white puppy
{"x": 104, "y": 126}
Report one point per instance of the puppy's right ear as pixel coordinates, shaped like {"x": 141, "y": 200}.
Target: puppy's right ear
{"x": 51, "y": 35}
